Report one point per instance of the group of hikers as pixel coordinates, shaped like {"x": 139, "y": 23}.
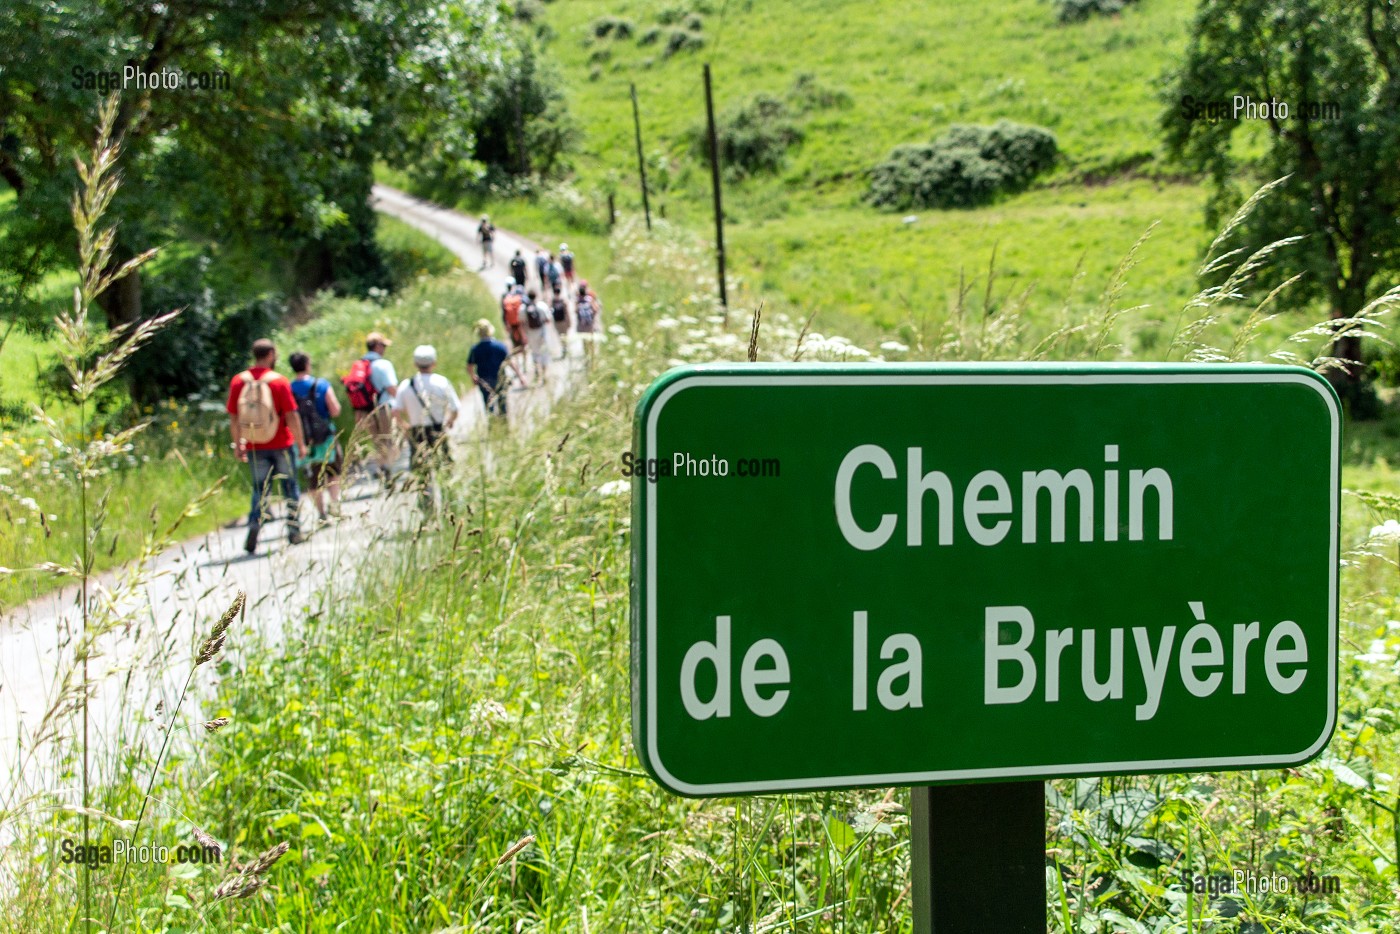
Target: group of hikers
{"x": 283, "y": 427}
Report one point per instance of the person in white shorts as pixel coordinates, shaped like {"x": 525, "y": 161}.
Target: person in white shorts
{"x": 537, "y": 318}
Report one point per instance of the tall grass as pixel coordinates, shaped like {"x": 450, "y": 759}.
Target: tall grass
{"x": 444, "y": 744}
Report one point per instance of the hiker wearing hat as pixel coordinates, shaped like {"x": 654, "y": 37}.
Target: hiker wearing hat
{"x": 371, "y": 386}
{"x": 426, "y": 406}
{"x": 566, "y": 260}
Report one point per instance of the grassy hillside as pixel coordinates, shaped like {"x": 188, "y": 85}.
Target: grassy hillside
{"x": 445, "y": 744}
{"x": 894, "y": 72}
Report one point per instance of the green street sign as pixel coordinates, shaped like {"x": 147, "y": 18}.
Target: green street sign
{"x": 847, "y": 576}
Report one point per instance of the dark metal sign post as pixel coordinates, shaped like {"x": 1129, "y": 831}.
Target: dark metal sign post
{"x": 719, "y": 200}
{"x": 978, "y": 860}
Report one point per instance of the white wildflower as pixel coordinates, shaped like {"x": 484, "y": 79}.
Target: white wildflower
{"x": 666, "y": 323}
{"x": 894, "y": 347}
{"x": 1387, "y": 532}
{"x": 487, "y": 712}
{"x": 614, "y": 488}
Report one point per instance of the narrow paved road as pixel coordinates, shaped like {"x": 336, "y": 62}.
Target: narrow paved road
{"x": 146, "y": 661}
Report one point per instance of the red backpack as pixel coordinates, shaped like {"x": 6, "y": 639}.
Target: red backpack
{"x": 359, "y": 387}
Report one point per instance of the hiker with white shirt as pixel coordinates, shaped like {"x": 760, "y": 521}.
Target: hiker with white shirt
{"x": 427, "y": 407}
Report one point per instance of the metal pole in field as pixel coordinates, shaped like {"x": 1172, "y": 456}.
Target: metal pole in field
{"x": 719, "y": 203}
{"x": 978, "y": 860}
{"x": 641, "y": 162}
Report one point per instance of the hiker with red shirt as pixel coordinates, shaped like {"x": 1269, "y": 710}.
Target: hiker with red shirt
{"x": 265, "y": 425}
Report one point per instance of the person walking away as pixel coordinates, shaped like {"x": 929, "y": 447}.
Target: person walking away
{"x": 588, "y": 317}
{"x": 556, "y": 273}
{"x": 517, "y": 267}
{"x": 542, "y": 268}
{"x": 566, "y": 261}
{"x": 559, "y": 309}
{"x": 486, "y": 236}
{"x": 486, "y": 363}
{"x": 511, "y": 308}
{"x": 537, "y": 317}
{"x": 318, "y": 407}
{"x": 427, "y": 406}
{"x": 265, "y": 426}
{"x": 370, "y": 386}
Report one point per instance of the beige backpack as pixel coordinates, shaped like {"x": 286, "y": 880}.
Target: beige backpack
{"x": 257, "y": 416}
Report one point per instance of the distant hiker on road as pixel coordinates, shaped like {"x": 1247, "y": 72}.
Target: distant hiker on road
{"x": 556, "y": 273}
{"x": 264, "y": 423}
{"x": 371, "y": 386}
{"x": 517, "y": 266}
{"x": 486, "y": 235}
{"x": 559, "y": 310}
{"x": 542, "y": 268}
{"x": 317, "y": 407}
{"x": 427, "y": 407}
{"x": 485, "y": 366}
{"x": 537, "y": 317}
{"x": 566, "y": 261}
{"x": 588, "y": 314}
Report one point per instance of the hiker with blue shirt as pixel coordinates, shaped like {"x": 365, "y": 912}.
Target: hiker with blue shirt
{"x": 486, "y": 366}
{"x": 318, "y": 407}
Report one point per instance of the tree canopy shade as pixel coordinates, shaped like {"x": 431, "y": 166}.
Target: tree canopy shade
{"x": 275, "y": 160}
{"x": 1318, "y": 81}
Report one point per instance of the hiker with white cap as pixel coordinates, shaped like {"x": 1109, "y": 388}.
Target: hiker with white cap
{"x": 566, "y": 261}
{"x": 426, "y": 406}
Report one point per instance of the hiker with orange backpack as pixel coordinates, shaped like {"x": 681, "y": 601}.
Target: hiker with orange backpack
{"x": 512, "y": 304}
{"x": 265, "y": 425}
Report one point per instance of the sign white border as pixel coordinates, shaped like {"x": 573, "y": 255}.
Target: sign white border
{"x": 699, "y": 376}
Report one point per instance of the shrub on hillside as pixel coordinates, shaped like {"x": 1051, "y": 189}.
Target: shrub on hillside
{"x": 650, "y": 37}
{"x": 753, "y": 137}
{"x": 1074, "y": 11}
{"x": 965, "y": 167}
{"x": 616, "y": 26}
{"x": 806, "y": 94}
{"x": 681, "y": 40}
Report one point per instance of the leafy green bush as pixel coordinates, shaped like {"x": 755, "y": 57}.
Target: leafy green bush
{"x": 682, "y": 40}
{"x": 671, "y": 15}
{"x": 965, "y": 167}
{"x": 650, "y": 37}
{"x": 1074, "y": 11}
{"x": 198, "y": 352}
{"x": 695, "y": 22}
{"x": 616, "y": 26}
{"x": 753, "y": 137}
{"x": 806, "y": 94}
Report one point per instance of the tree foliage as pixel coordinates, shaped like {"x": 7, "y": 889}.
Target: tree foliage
{"x": 1335, "y": 64}
{"x": 278, "y": 164}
